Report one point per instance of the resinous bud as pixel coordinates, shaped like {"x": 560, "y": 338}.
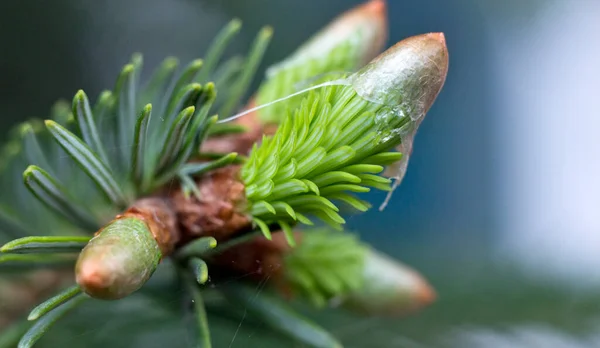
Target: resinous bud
{"x": 118, "y": 260}
{"x": 407, "y": 79}
{"x": 389, "y": 288}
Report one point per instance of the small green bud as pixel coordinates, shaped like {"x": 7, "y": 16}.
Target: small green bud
{"x": 336, "y": 268}
{"x": 118, "y": 260}
{"x": 388, "y": 288}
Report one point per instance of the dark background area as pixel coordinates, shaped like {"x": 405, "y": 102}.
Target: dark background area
{"x": 448, "y": 218}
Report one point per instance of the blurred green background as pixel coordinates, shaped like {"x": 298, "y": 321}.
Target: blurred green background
{"x": 499, "y": 206}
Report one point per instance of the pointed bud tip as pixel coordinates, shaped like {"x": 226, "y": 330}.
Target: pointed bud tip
{"x": 235, "y": 24}
{"x": 376, "y": 7}
{"x": 376, "y": 10}
{"x": 80, "y": 94}
{"x": 370, "y": 19}
{"x": 94, "y": 280}
{"x": 266, "y": 32}
{"x": 29, "y": 170}
{"x": 128, "y": 69}
{"x": 440, "y": 37}
{"x": 425, "y": 294}
{"x": 390, "y": 288}
{"x": 431, "y": 43}
{"x": 171, "y": 62}
{"x": 137, "y": 57}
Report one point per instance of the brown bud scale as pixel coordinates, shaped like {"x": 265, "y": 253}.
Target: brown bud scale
{"x": 220, "y": 211}
{"x": 161, "y": 221}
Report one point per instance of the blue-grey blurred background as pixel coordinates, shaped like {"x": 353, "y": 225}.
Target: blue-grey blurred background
{"x": 499, "y": 208}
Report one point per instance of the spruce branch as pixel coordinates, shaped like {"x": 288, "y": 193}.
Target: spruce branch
{"x": 321, "y": 129}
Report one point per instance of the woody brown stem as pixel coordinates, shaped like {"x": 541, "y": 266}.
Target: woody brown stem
{"x": 158, "y": 214}
{"x": 220, "y": 210}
